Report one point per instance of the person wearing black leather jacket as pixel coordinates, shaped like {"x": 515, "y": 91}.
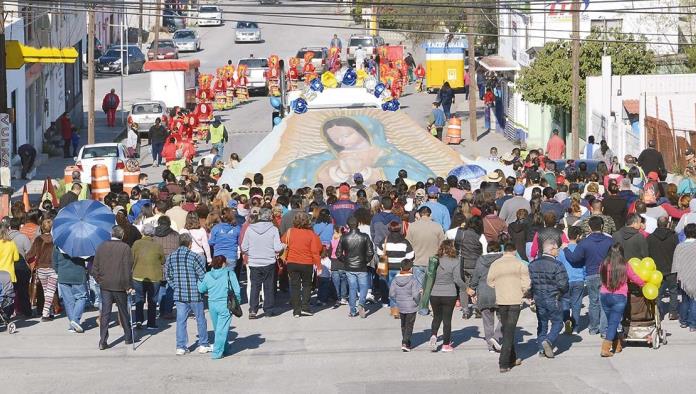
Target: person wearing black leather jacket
{"x": 355, "y": 251}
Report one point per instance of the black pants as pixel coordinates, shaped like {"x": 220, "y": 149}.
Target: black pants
{"x": 27, "y": 162}
{"x": 300, "y": 286}
{"x": 150, "y": 293}
{"x": 407, "y": 322}
{"x": 443, "y": 307}
{"x": 66, "y": 147}
{"x": 262, "y": 276}
{"x": 21, "y": 288}
{"x": 108, "y": 297}
{"x": 464, "y": 298}
{"x": 669, "y": 283}
{"x": 509, "y": 314}
{"x": 438, "y": 134}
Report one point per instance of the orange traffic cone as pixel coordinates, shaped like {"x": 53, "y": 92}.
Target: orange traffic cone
{"x": 48, "y": 187}
{"x": 25, "y": 199}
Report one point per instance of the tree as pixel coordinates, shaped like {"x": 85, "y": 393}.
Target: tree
{"x": 548, "y": 79}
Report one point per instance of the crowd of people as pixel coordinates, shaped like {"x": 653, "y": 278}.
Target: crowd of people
{"x": 543, "y": 237}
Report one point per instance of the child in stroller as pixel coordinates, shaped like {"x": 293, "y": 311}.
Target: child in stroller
{"x": 7, "y": 296}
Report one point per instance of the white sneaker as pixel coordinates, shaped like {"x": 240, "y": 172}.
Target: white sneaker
{"x": 181, "y": 352}
{"x": 433, "y": 343}
{"x": 205, "y": 349}
{"x": 76, "y": 326}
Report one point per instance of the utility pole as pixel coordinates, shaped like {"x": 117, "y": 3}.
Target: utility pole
{"x": 90, "y": 74}
{"x": 575, "y": 99}
{"x": 140, "y": 25}
{"x": 158, "y": 21}
{"x": 473, "y": 89}
{"x": 3, "y": 62}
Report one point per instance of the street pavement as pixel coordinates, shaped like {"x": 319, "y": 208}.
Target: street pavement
{"x": 333, "y": 353}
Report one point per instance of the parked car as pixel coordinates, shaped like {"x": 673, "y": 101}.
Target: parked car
{"x": 114, "y": 58}
{"x": 187, "y": 40}
{"x": 172, "y": 20}
{"x": 369, "y": 44}
{"x": 319, "y": 59}
{"x": 98, "y": 52}
{"x": 256, "y": 73}
{"x": 209, "y": 15}
{"x": 247, "y": 32}
{"x": 111, "y": 155}
{"x": 145, "y": 112}
{"x": 166, "y": 49}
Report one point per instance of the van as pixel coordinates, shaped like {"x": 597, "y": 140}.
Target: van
{"x": 369, "y": 44}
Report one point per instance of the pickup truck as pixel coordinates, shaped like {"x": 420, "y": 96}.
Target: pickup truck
{"x": 256, "y": 73}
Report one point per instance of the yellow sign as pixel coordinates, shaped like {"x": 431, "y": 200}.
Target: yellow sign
{"x": 18, "y": 55}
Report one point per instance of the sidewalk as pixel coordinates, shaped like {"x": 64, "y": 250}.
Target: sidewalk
{"x": 54, "y": 166}
{"x": 486, "y": 140}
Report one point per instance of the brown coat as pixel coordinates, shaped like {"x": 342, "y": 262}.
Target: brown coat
{"x": 425, "y": 237}
{"x": 113, "y": 266}
{"x": 42, "y": 249}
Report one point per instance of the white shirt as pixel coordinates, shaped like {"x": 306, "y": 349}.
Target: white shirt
{"x": 200, "y": 242}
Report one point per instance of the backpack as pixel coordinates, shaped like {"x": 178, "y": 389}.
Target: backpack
{"x": 111, "y": 101}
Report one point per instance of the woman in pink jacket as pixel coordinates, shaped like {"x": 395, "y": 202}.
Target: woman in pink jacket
{"x": 615, "y": 274}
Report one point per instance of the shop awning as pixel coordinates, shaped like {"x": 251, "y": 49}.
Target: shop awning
{"x": 498, "y": 63}
{"x": 18, "y": 55}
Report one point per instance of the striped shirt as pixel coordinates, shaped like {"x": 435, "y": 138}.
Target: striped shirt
{"x": 397, "y": 248}
{"x": 184, "y": 270}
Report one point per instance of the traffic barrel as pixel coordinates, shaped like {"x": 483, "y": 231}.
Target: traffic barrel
{"x": 454, "y": 131}
{"x": 67, "y": 174}
{"x": 100, "y": 182}
{"x": 131, "y": 175}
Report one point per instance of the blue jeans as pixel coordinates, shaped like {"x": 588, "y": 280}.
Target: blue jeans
{"x": 340, "y": 282}
{"x": 94, "y": 293}
{"x": 390, "y": 278}
{"x": 182, "y": 312}
{"x": 220, "y": 147}
{"x": 157, "y": 152}
{"x": 572, "y": 302}
{"x": 357, "y": 283}
{"x": 74, "y": 298}
{"x": 598, "y": 319}
{"x": 446, "y": 107}
{"x": 221, "y": 318}
{"x": 146, "y": 290}
{"x": 687, "y": 310}
{"x": 613, "y": 306}
{"x": 165, "y": 299}
{"x": 548, "y": 310}
{"x": 419, "y": 274}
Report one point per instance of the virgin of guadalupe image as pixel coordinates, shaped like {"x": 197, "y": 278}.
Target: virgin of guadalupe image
{"x": 355, "y": 144}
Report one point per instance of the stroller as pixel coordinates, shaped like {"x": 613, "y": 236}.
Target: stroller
{"x": 7, "y": 296}
{"x": 642, "y": 322}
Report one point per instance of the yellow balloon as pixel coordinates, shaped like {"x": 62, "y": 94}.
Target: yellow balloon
{"x": 329, "y": 80}
{"x": 655, "y": 278}
{"x": 648, "y": 264}
{"x": 643, "y": 273}
{"x": 634, "y": 262}
{"x": 362, "y": 74}
{"x": 650, "y": 291}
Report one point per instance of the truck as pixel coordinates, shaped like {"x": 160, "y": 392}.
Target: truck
{"x": 256, "y": 73}
{"x": 174, "y": 81}
{"x": 445, "y": 62}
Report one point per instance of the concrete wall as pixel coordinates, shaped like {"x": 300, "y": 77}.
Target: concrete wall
{"x": 14, "y": 30}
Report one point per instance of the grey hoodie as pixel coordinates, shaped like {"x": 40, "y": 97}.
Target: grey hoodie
{"x": 405, "y": 291}
{"x": 262, "y": 244}
{"x": 484, "y": 293}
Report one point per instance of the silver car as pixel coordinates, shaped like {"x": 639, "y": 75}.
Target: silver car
{"x": 209, "y": 15}
{"x": 144, "y": 114}
{"x": 247, "y": 32}
{"x": 187, "y": 40}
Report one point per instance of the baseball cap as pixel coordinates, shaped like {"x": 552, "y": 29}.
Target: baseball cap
{"x": 344, "y": 189}
{"x": 357, "y": 177}
{"x": 519, "y": 189}
{"x": 433, "y": 190}
{"x": 232, "y": 204}
{"x": 420, "y": 193}
{"x": 652, "y": 175}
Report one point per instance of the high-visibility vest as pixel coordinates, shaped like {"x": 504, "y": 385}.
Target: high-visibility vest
{"x": 216, "y": 133}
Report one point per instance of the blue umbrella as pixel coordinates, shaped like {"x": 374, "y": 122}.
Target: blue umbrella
{"x": 468, "y": 172}
{"x": 81, "y": 227}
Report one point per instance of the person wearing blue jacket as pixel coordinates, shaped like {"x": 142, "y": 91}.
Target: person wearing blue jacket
{"x": 440, "y": 213}
{"x": 572, "y": 300}
{"x": 590, "y": 253}
{"x": 224, "y": 237}
{"x": 217, "y": 283}
{"x": 72, "y": 284}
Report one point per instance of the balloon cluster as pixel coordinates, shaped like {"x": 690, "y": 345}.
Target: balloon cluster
{"x": 646, "y": 270}
{"x": 299, "y": 106}
{"x": 391, "y": 105}
{"x": 350, "y": 77}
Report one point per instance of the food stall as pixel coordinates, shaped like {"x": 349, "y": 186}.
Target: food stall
{"x": 174, "y": 81}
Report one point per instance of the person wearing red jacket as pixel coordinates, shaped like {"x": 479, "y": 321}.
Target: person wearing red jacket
{"x": 66, "y": 133}
{"x": 110, "y": 105}
{"x": 169, "y": 150}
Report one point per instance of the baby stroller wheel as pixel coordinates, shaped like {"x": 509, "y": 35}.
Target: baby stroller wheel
{"x": 11, "y": 328}
{"x": 657, "y": 340}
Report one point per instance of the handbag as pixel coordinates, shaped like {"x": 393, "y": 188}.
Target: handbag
{"x": 383, "y": 264}
{"x": 284, "y": 254}
{"x": 232, "y": 302}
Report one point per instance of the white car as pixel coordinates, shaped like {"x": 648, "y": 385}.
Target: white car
{"x": 247, "y": 32}
{"x": 145, "y": 112}
{"x": 112, "y": 155}
{"x": 209, "y": 15}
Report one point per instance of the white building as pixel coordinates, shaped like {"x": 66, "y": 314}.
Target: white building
{"x": 522, "y": 32}
{"x": 14, "y": 30}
